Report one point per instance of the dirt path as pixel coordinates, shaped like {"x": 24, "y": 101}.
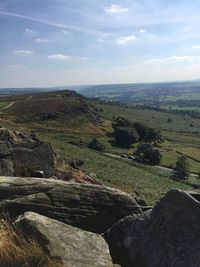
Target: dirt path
{"x": 29, "y": 98}
{"x": 8, "y": 106}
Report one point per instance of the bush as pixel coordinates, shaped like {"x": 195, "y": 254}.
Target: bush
{"x": 141, "y": 129}
{"x": 96, "y": 145}
{"x": 121, "y": 122}
{"x": 181, "y": 169}
{"x": 125, "y": 137}
{"x": 149, "y": 154}
{"x": 153, "y": 136}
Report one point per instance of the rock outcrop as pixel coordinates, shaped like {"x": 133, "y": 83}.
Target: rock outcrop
{"x": 74, "y": 247}
{"x": 167, "y": 236}
{"x": 21, "y": 156}
{"x": 90, "y": 207}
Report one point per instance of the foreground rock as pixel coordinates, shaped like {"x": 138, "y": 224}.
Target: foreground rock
{"x": 75, "y": 247}
{"x": 90, "y": 207}
{"x": 168, "y": 236}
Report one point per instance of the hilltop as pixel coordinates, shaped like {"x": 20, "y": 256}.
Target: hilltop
{"x": 62, "y": 105}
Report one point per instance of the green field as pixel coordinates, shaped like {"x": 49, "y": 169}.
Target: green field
{"x": 149, "y": 182}
{"x": 70, "y": 139}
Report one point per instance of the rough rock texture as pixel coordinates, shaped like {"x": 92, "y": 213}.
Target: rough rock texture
{"x": 75, "y": 247}
{"x": 167, "y": 236}
{"x": 38, "y": 158}
{"x": 90, "y": 207}
{"x": 6, "y": 167}
{"x": 20, "y": 156}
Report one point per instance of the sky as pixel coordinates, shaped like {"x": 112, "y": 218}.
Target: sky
{"x": 74, "y": 42}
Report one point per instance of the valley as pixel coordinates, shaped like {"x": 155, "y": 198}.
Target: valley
{"x": 70, "y": 121}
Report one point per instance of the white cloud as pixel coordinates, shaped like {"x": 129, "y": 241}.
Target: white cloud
{"x": 59, "y": 57}
{"x": 142, "y": 31}
{"x": 23, "y": 52}
{"x": 196, "y": 47}
{"x": 168, "y": 59}
{"x": 39, "y": 40}
{"x": 126, "y": 40}
{"x": 116, "y": 9}
{"x": 31, "y": 33}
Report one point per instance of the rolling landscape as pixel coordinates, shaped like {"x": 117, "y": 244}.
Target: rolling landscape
{"x": 99, "y": 133}
{"x": 70, "y": 121}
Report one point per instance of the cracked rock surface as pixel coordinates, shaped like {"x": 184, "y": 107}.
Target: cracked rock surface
{"x": 167, "y": 236}
{"x": 93, "y": 208}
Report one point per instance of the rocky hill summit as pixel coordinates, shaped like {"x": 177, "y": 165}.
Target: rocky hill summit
{"x": 83, "y": 223}
{"x": 64, "y": 105}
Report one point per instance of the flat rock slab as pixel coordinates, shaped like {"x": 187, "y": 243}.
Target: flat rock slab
{"x": 74, "y": 247}
{"x": 93, "y": 208}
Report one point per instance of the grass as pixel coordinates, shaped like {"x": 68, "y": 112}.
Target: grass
{"x": 3, "y": 104}
{"x": 17, "y": 251}
{"x": 152, "y": 118}
{"x": 149, "y": 182}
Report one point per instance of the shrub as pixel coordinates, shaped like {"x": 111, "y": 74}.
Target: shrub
{"x": 153, "y": 136}
{"x": 181, "y": 169}
{"x": 125, "y": 137}
{"x": 149, "y": 154}
{"x": 121, "y": 122}
{"x": 96, "y": 145}
{"x": 141, "y": 129}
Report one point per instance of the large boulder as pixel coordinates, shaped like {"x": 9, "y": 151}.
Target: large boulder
{"x": 23, "y": 156}
{"x": 6, "y": 167}
{"x": 38, "y": 158}
{"x": 169, "y": 235}
{"x": 74, "y": 247}
{"x": 91, "y": 207}
{"x": 6, "y": 135}
{"x": 5, "y": 149}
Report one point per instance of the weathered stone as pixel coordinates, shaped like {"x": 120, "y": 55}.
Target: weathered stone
{"x": 5, "y": 135}
{"x": 90, "y": 207}
{"x": 40, "y": 157}
{"x": 75, "y": 247}
{"x": 5, "y": 149}
{"x": 169, "y": 235}
{"x": 6, "y": 167}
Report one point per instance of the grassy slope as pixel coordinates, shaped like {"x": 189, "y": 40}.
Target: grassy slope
{"x": 149, "y": 182}
{"x": 179, "y": 135}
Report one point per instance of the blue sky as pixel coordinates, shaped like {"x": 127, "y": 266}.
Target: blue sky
{"x": 62, "y": 42}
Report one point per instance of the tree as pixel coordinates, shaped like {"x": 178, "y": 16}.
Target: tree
{"x": 181, "y": 169}
{"x": 141, "y": 129}
{"x": 148, "y": 154}
{"x": 96, "y": 145}
{"x": 125, "y": 136}
{"x": 121, "y": 122}
{"x": 154, "y": 136}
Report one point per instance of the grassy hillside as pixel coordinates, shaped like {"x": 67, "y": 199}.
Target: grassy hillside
{"x": 79, "y": 120}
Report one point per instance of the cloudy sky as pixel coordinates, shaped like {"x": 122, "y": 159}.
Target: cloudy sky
{"x": 70, "y": 42}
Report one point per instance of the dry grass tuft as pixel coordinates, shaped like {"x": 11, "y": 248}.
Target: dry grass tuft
{"x": 16, "y": 251}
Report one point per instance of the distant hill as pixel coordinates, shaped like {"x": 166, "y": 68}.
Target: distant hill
{"x": 32, "y": 90}
{"x": 64, "y": 105}
{"x": 146, "y": 93}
